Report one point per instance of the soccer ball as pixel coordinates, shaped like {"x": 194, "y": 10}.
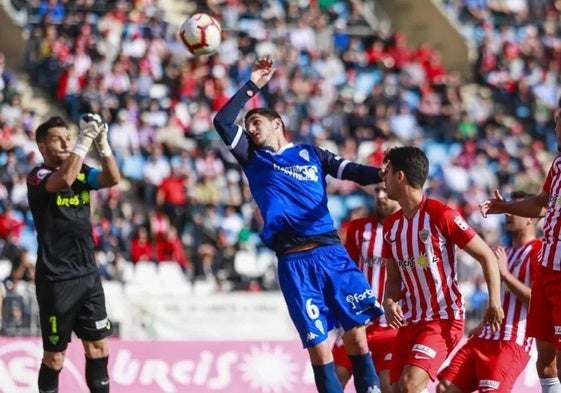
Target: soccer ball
{"x": 200, "y": 34}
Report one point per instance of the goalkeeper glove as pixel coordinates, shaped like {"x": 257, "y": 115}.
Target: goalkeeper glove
{"x": 90, "y": 127}
{"x": 101, "y": 142}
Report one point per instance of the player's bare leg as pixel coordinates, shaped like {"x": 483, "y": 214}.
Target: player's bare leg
{"x": 445, "y": 386}
{"x": 413, "y": 379}
{"x": 385, "y": 384}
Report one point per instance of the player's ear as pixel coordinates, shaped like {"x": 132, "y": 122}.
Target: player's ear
{"x": 41, "y": 146}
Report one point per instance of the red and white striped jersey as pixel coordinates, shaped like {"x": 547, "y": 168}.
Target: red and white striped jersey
{"x": 551, "y": 248}
{"x": 424, "y": 248}
{"x": 522, "y": 264}
{"x": 364, "y": 242}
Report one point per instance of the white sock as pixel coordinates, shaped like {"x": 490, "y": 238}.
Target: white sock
{"x": 425, "y": 391}
{"x": 550, "y": 385}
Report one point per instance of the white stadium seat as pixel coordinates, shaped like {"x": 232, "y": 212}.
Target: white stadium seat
{"x": 172, "y": 278}
{"x": 5, "y": 269}
{"x": 145, "y": 273}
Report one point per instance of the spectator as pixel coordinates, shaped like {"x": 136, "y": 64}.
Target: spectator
{"x": 51, "y": 10}
{"x": 170, "y": 249}
{"x": 11, "y": 169}
{"x": 11, "y": 222}
{"x": 123, "y": 136}
{"x": 155, "y": 171}
{"x": 363, "y": 83}
{"x": 141, "y": 248}
{"x": 115, "y": 270}
{"x": 171, "y": 196}
{"x": 11, "y": 111}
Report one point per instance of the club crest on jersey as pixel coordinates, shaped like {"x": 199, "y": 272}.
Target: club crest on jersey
{"x": 305, "y": 155}
{"x": 424, "y": 235}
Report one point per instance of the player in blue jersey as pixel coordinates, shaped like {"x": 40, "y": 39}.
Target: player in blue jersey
{"x": 321, "y": 284}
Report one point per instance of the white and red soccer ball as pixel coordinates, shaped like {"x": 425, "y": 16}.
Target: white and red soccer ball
{"x": 200, "y": 34}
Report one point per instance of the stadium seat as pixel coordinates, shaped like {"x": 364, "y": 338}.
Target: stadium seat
{"x": 114, "y": 300}
{"x": 172, "y": 278}
{"x": 204, "y": 287}
{"x": 365, "y": 149}
{"x": 158, "y": 91}
{"x": 249, "y": 264}
{"x": 5, "y": 269}
{"x": 145, "y": 273}
{"x": 266, "y": 261}
{"x": 144, "y": 280}
{"x": 128, "y": 271}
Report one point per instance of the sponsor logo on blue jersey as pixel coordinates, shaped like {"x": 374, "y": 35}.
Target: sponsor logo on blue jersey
{"x": 300, "y": 172}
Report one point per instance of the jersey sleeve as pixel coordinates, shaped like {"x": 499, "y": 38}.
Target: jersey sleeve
{"x": 453, "y": 226}
{"x": 232, "y": 134}
{"x": 37, "y": 178}
{"x": 343, "y": 169}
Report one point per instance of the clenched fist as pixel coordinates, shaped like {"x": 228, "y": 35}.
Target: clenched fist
{"x": 91, "y": 125}
{"x": 88, "y": 119}
{"x": 101, "y": 142}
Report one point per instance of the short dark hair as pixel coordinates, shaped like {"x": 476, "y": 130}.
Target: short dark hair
{"x": 412, "y": 161}
{"x": 43, "y": 129}
{"x": 269, "y": 113}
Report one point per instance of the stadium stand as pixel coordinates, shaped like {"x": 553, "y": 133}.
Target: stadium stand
{"x": 346, "y": 81}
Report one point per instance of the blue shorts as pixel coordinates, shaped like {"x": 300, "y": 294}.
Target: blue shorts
{"x": 323, "y": 289}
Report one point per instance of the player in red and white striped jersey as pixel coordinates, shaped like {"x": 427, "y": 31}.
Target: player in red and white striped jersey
{"x": 493, "y": 360}
{"x": 363, "y": 241}
{"x": 544, "y": 319}
{"x": 422, "y": 297}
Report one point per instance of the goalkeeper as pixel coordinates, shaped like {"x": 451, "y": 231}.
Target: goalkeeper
{"x": 68, "y": 286}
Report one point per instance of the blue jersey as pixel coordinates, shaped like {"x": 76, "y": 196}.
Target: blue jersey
{"x": 288, "y": 185}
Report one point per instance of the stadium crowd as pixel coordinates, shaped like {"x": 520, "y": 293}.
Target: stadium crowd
{"x": 185, "y": 201}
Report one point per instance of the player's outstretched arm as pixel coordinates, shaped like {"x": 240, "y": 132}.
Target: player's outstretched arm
{"x": 534, "y": 206}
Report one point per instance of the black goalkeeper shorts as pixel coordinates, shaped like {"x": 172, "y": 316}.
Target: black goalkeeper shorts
{"x": 75, "y": 305}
